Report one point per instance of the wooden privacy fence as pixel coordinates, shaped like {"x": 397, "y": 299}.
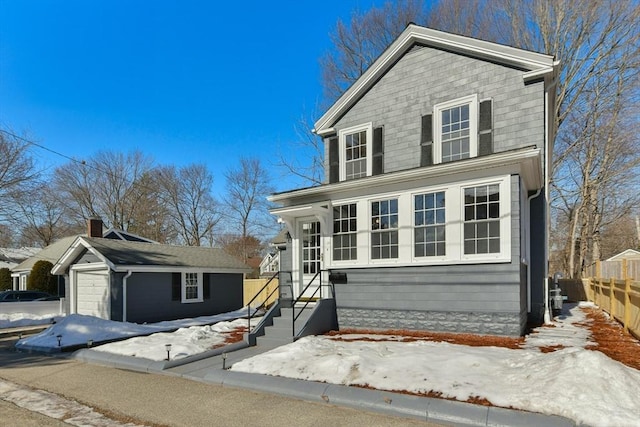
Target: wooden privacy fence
{"x": 615, "y": 287}
{"x": 253, "y": 286}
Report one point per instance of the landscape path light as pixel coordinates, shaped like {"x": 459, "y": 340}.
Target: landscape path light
{"x": 168, "y": 348}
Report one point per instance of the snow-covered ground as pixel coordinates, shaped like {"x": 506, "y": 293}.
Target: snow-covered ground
{"x": 77, "y": 329}
{"x": 15, "y": 320}
{"x": 573, "y": 382}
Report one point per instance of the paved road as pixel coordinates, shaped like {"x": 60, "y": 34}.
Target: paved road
{"x": 160, "y": 400}
{"x": 12, "y": 415}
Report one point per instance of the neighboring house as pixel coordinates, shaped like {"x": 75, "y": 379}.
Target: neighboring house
{"x": 629, "y": 254}
{"x": 271, "y": 261}
{"x": 54, "y": 251}
{"x": 149, "y": 282}
{"x": 51, "y": 253}
{"x": 434, "y": 210}
{"x": 10, "y": 257}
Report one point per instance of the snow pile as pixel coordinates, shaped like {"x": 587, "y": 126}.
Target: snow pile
{"x": 77, "y": 329}
{"x": 184, "y": 342}
{"x": 15, "y": 320}
{"x": 572, "y": 382}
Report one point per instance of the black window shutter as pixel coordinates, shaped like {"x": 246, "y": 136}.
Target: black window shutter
{"x": 485, "y": 129}
{"x": 378, "y": 151}
{"x": 426, "y": 141}
{"x": 206, "y": 286}
{"x": 176, "y": 287}
{"x": 334, "y": 160}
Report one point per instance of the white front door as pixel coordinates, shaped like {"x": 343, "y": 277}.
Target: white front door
{"x": 310, "y": 257}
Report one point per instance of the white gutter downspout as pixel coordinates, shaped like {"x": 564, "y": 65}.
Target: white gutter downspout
{"x": 528, "y": 247}
{"x": 124, "y": 295}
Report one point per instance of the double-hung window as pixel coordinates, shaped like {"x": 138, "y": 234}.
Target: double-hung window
{"x": 429, "y": 224}
{"x": 355, "y": 152}
{"x": 192, "y": 287}
{"x": 456, "y": 129}
{"x": 482, "y": 219}
{"x": 384, "y": 229}
{"x": 345, "y": 237}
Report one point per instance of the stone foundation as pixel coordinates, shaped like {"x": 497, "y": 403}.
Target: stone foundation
{"x": 511, "y": 324}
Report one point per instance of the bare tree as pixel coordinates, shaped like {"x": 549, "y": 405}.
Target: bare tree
{"x": 246, "y": 199}
{"x": 359, "y": 42}
{"x": 304, "y": 157}
{"x": 108, "y": 185}
{"x": 43, "y": 218}
{"x": 187, "y": 192}
{"x": 17, "y": 170}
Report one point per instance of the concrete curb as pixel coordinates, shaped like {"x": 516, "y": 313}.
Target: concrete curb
{"x": 388, "y": 403}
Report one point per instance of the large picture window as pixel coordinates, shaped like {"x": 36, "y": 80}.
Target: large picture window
{"x": 384, "y": 229}
{"x": 456, "y": 128}
{"x": 482, "y": 219}
{"x": 345, "y": 237}
{"x": 429, "y": 224}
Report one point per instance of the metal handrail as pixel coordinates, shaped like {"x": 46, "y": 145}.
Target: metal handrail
{"x": 263, "y": 304}
{"x": 297, "y": 300}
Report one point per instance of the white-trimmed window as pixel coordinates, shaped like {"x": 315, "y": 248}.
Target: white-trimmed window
{"x": 192, "y": 287}
{"x": 456, "y": 129}
{"x": 355, "y": 152}
{"x": 345, "y": 232}
{"x": 482, "y": 219}
{"x": 384, "y": 229}
{"x": 463, "y": 222}
{"x": 429, "y": 224}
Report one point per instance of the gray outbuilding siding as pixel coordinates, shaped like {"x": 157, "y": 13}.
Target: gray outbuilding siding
{"x": 149, "y": 297}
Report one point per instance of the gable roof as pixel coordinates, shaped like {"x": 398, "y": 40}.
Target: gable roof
{"x": 123, "y": 255}
{"x": 115, "y": 233}
{"x": 534, "y": 65}
{"x": 51, "y": 253}
{"x": 626, "y": 254}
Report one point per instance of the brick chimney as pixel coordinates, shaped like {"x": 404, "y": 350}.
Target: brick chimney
{"x": 94, "y": 227}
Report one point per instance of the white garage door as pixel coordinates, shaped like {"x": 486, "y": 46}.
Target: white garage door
{"x": 92, "y": 295}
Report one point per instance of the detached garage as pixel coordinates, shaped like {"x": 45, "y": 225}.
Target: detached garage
{"x": 149, "y": 282}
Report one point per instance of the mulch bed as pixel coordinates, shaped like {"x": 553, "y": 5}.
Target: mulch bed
{"x": 611, "y": 339}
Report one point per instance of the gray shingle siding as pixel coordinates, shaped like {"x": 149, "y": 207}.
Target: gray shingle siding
{"x": 426, "y": 77}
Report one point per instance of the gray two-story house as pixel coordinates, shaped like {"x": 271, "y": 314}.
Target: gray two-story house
{"x": 434, "y": 210}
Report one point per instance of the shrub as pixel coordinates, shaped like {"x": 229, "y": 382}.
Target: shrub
{"x": 41, "y": 278}
{"x": 5, "y": 279}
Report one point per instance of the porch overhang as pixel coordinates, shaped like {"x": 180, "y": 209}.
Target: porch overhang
{"x": 526, "y": 162}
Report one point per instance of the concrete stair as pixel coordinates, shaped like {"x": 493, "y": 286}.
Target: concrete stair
{"x": 281, "y": 332}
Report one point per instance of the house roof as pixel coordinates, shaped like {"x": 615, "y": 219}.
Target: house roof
{"x": 51, "y": 253}
{"x": 534, "y": 65}
{"x": 122, "y": 255}
{"x": 626, "y": 254}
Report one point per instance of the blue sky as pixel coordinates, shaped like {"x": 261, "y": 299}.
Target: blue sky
{"x": 182, "y": 81}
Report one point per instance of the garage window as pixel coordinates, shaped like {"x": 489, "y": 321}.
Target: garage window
{"x": 188, "y": 287}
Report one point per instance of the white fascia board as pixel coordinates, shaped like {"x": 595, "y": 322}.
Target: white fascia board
{"x": 526, "y": 162}
{"x": 532, "y": 61}
{"x": 304, "y": 210}
{"x": 74, "y": 250}
{"x": 176, "y": 269}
